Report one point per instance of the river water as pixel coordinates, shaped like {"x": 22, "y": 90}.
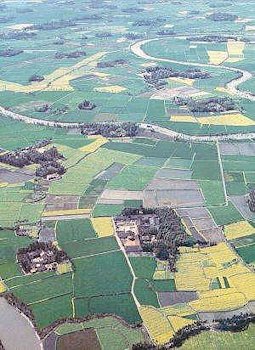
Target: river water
{"x": 16, "y": 332}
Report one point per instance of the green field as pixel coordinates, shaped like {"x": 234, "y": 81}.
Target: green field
{"x": 172, "y": 64}
{"x": 221, "y": 341}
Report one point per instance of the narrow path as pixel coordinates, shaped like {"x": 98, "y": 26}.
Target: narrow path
{"x": 130, "y": 267}
{"x": 222, "y": 173}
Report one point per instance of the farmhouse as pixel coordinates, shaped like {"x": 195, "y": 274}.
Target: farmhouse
{"x": 251, "y": 201}
{"x": 40, "y": 256}
{"x": 157, "y": 231}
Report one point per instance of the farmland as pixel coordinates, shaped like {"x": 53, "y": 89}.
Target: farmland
{"x": 144, "y": 105}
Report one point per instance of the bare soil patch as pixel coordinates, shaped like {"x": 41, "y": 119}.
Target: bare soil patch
{"x": 171, "y": 298}
{"x": 81, "y": 340}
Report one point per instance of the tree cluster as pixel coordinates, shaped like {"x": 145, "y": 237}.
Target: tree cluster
{"x": 48, "y": 159}
{"x": 150, "y": 22}
{"x": 10, "y": 52}
{"x": 49, "y": 168}
{"x": 110, "y": 64}
{"x": 39, "y": 255}
{"x": 132, "y": 10}
{"x": 155, "y": 75}
{"x": 236, "y": 323}
{"x": 110, "y": 129}
{"x": 36, "y": 78}
{"x": 166, "y": 32}
{"x": 17, "y": 35}
{"x": 133, "y": 36}
{"x": 222, "y": 16}
{"x": 104, "y": 35}
{"x": 187, "y": 332}
{"x": 53, "y": 25}
{"x": 210, "y": 105}
{"x": 147, "y": 346}
{"x": 86, "y": 105}
{"x": 212, "y": 38}
{"x": 251, "y": 201}
{"x": 168, "y": 235}
{"x": 74, "y": 54}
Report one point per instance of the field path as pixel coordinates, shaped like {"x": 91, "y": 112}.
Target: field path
{"x": 231, "y": 87}
{"x": 130, "y": 267}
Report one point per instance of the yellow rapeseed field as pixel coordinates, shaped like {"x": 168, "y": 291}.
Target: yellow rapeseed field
{"x": 217, "y": 57}
{"x": 219, "y": 300}
{"x": 245, "y": 284}
{"x": 2, "y": 287}
{"x": 177, "y": 310}
{"x": 94, "y": 146}
{"x": 58, "y": 80}
{"x": 178, "y": 322}
{"x": 113, "y": 89}
{"x": 103, "y": 226}
{"x": 64, "y": 268}
{"x": 158, "y": 326}
{"x": 239, "y": 229}
{"x": 66, "y": 212}
{"x": 235, "y": 48}
{"x": 185, "y": 81}
{"x": 231, "y": 119}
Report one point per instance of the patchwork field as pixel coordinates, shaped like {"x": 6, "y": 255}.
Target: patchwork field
{"x": 184, "y": 66}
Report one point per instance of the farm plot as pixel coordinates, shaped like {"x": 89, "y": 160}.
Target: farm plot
{"x": 247, "y": 253}
{"x": 79, "y": 340}
{"x": 107, "y": 210}
{"x": 168, "y": 173}
{"x": 111, "y": 196}
{"x": 176, "y": 193}
{"x": 103, "y": 226}
{"x": 238, "y": 230}
{"x": 200, "y": 224}
{"x": 13, "y": 206}
{"x": 89, "y": 247}
{"x": 147, "y": 285}
{"x": 51, "y": 310}
{"x": 225, "y": 214}
{"x": 74, "y": 230}
{"x": 43, "y": 289}
{"x": 77, "y": 179}
{"x": 14, "y": 177}
{"x": 9, "y": 245}
{"x": 240, "y": 203}
{"x": 213, "y": 192}
{"x": 112, "y": 333}
{"x": 205, "y": 263}
{"x": 57, "y": 203}
{"x": 221, "y": 340}
{"x": 133, "y": 178}
{"x": 177, "y": 297}
{"x": 237, "y": 148}
{"x": 103, "y": 274}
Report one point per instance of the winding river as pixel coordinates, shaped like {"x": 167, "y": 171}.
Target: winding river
{"x": 136, "y": 49}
